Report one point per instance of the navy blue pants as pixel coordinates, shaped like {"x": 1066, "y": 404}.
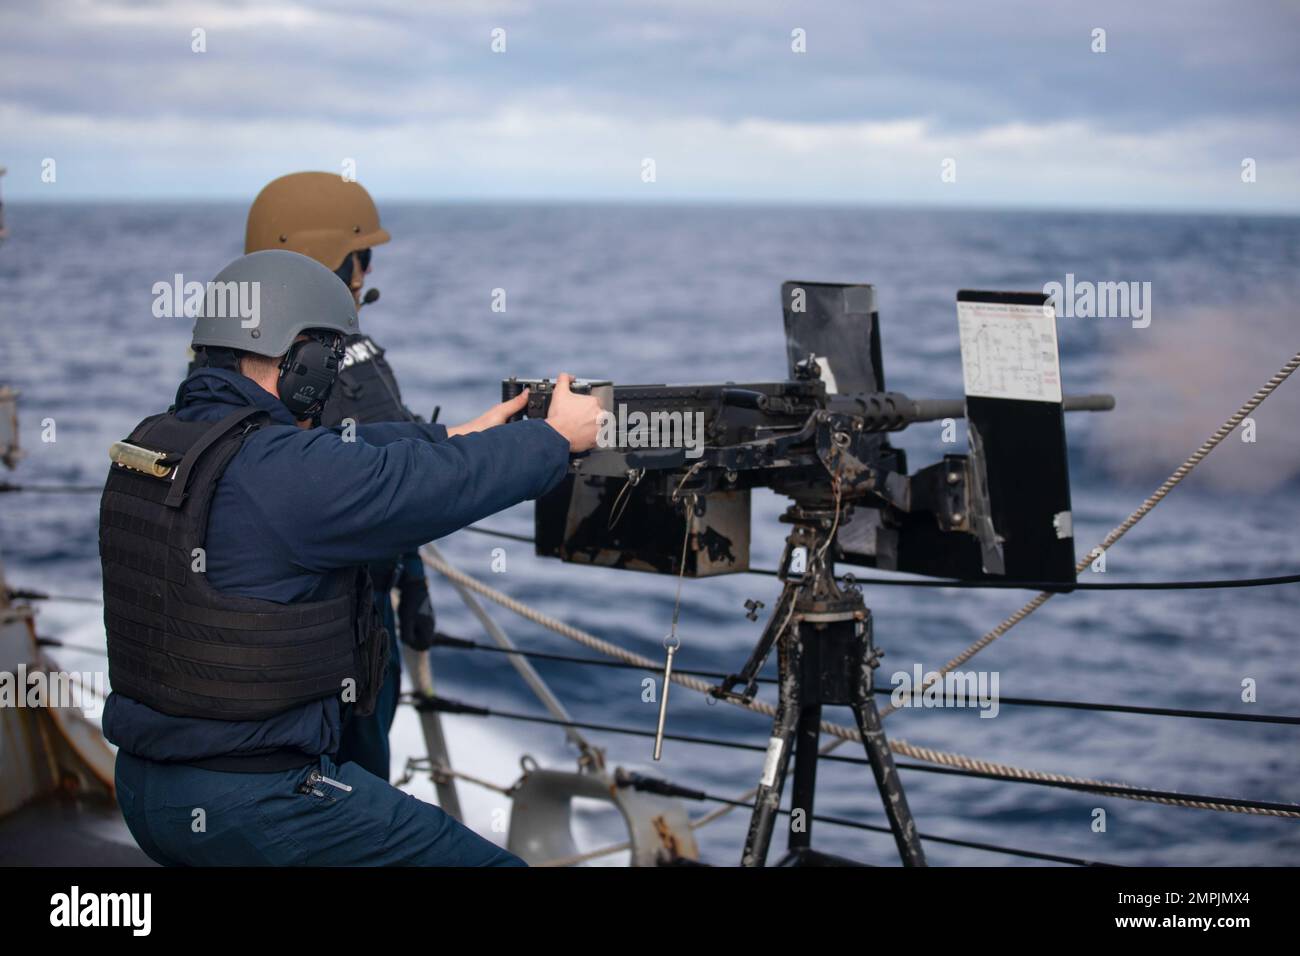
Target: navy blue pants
{"x": 184, "y": 816}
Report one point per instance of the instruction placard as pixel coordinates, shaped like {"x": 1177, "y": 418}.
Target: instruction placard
{"x": 1008, "y": 350}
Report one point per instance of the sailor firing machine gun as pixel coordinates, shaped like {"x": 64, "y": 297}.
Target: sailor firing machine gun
{"x": 668, "y": 491}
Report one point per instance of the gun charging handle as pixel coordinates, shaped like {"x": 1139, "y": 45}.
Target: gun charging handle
{"x": 540, "y": 391}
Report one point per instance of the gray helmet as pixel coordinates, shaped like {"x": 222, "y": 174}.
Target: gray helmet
{"x": 263, "y": 301}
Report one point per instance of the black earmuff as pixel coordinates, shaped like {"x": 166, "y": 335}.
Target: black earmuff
{"x": 308, "y": 372}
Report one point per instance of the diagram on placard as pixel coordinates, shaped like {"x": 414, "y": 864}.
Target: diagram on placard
{"x": 1009, "y": 351}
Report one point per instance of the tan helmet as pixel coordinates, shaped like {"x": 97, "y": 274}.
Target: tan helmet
{"x": 321, "y": 215}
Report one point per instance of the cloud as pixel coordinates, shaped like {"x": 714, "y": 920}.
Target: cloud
{"x": 713, "y": 93}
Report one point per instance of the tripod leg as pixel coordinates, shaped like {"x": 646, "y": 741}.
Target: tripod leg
{"x": 748, "y": 677}
{"x": 804, "y": 789}
{"x": 891, "y": 790}
{"x": 768, "y": 800}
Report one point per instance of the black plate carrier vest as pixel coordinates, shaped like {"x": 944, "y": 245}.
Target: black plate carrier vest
{"x": 177, "y": 644}
{"x": 366, "y": 389}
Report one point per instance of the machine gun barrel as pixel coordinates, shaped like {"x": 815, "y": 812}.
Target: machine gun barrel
{"x": 934, "y": 409}
{"x": 894, "y": 411}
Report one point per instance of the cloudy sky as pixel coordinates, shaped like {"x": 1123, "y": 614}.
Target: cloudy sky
{"x": 1011, "y": 91}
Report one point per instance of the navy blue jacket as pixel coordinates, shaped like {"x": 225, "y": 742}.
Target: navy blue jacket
{"x": 296, "y": 504}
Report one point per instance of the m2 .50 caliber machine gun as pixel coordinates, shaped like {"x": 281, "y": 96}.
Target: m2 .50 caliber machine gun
{"x": 667, "y": 490}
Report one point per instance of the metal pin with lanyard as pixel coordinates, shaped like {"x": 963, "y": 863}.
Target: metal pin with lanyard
{"x": 672, "y": 642}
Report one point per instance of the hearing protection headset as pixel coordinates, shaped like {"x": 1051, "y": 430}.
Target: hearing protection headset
{"x": 308, "y": 371}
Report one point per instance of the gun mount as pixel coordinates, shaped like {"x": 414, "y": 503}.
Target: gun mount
{"x": 1002, "y": 509}
{"x": 668, "y": 490}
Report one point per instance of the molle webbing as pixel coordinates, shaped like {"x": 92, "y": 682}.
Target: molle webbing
{"x": 174, "y": 642}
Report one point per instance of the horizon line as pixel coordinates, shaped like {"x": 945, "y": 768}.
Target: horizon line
{"x": 689, "y": 201}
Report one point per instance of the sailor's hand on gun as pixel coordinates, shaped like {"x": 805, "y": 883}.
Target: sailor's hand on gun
{"x": 576, "y": 417}
{"x": 496, "y": 415}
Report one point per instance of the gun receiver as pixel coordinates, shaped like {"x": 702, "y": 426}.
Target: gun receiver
{"x": 717, "y": 442}
{"x": 675, "y": 460}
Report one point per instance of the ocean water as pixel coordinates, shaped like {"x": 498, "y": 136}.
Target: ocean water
{"x": 675, "y": 294}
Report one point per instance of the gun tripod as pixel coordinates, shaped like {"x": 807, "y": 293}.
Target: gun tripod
{"x": 825, "y": 655}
